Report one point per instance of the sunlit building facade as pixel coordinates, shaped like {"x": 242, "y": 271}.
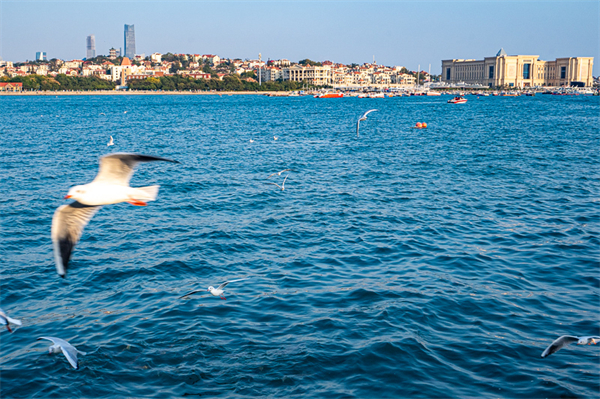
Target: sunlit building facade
{"x": 519, "y": 71}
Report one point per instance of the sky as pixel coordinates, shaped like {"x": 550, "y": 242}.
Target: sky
{"x": 406, "y": 33}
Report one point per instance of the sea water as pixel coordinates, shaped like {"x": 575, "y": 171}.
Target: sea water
{"x": 437, "y": 262}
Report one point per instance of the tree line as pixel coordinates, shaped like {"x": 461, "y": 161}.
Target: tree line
{"x": 166, "y": 83}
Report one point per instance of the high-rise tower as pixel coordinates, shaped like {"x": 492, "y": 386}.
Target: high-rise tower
{"x": 91, "y": 47}
{"x": 129, "y": 41}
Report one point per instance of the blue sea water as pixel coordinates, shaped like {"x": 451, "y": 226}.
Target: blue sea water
{"x": 403, "y": 263}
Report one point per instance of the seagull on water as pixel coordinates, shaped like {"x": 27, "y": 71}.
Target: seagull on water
{"x": 102, "y": 113}
{"x": 252, "y": 141}
{"x": 111, "y": 142}
{"x": 5, "y": 320}
{"x": 565, "y": 340}
{"x": 110, "y": 186}
{"x": 69, "y": 350}
{"x": 282, "y": 187}
{"x": 275, "y": 138}
{"x": 215, "y": 291}
{"x": 278, "y": 173}
{"x": 363, "y": 118}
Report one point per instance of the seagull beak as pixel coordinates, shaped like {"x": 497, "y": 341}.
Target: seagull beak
{"x": 68, "y": 196}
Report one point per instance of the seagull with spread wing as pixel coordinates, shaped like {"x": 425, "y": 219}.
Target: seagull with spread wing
{"x": 69, "y": 350}
{"x": 363, "y": 118}
{"x": 6, "y": 320}
{"x": 282, "y": 187}
{"x": 565, "y": 340}
{"x": 111, "y": 186}
{"x": 215, "y": 291}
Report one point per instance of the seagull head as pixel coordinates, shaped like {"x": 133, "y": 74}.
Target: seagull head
{"x": 211, "y": 288}
{"x": 586, "y": 341}
{"x": 76, "y": 192}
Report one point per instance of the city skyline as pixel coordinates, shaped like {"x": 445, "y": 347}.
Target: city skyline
{"x": 129, "y": 41}
{"x": 91, "y": 46}
{"x": 394, "y": 32}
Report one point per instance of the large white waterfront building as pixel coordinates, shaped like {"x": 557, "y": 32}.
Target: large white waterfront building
{"x": 505, "y": 70}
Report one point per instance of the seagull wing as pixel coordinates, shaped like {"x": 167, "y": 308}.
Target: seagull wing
{"x": 189, "y": 293}
{"x": 118, "y": 168}
{"x": 223, "y": 285}
{"x": 67, "y": 225}
{"x": 558, "y": 344}
{"x": 68, "y": 350}
{"x": 283, "y": 184}
{"x": 368, "y": 112}
{"x": 357, "y": 126}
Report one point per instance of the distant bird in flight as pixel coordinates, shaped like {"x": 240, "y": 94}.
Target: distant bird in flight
{"x": 252, "y": 141}
{"x": 278, "y": 173}
{"x": 125, "y": 112}
{"x": 363, "y": 118}
{"x": 275, "y": 138}
{"x": 110, "y": 186}
{"x": 215, "y": 291}
{"x": 5, "y": 320}
{"x": 69, "y": 350}
{"x": 102, "y": 113}
{"x": 565, "y": 340}
{"x": 111, "y": 142}
{"x": 282, "y": 187}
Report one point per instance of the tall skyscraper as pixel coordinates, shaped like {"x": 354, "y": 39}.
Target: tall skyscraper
{"x": 91, "y": 47}
{"x": 129, "y": 41}
{"x": 41, "y": 56}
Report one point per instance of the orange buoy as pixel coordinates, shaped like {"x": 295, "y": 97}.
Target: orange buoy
{"x": 424, "y": 125}
{"x": 419, "y": 125}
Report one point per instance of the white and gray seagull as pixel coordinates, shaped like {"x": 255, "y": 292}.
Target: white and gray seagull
{"x": 363, "y": 118}
{"x": 565, "y": 340}
{"x": 279, "y": 173}
{"x": 69, "y": 350}
{"x": 111, "y": 186}
{"x": 282, "y": 187}
{"x": 5, "y": 320}
{"x": 111, "y": 142}
{"x": 215, "y": 291}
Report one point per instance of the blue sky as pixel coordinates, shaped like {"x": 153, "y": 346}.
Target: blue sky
{"x": 405, "y": 33}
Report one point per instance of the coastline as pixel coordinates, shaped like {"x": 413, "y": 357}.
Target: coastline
{"x": 135, "y": 93}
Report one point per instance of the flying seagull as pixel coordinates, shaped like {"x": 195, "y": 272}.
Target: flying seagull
{"x": 565, "y": 340}
{"x": 69, "y": 350}
{"x": 111, "y": 142}
{"x": 110, "y": 186}
{"x": 363, "y": 118}
{"x": 5, "y": 320}
{"x": 215, "y": 291}
{"x": 278, "y": 173}
{"x": 282, "y": 187}
{"x": 275, "y": 137}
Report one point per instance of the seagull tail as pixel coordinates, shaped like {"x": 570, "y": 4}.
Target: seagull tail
{"x": 14, "y": 321}
{"x": 147, "y": 193}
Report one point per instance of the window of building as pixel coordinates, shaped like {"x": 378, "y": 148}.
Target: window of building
{"x": 447, "y": 73}
{"x": 563, "y": 72}
{"x": 526, "y": 71}
{"x": 491, "y": 74}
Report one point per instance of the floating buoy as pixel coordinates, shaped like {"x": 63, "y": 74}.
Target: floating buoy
{"x": 419, "y": 125}
{"x": 424, "y": 125}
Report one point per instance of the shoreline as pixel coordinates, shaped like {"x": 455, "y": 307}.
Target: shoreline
{"x": 135, "y": 93}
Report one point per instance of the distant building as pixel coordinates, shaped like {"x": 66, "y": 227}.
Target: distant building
{"x": 112, "y": 53}
{"x": 520, "y": 71}
{"x": 41, "y": 56}
{"x": 129, "y": 41}
{"x": 91, "y": 47}
{"x": 11, "y": 86}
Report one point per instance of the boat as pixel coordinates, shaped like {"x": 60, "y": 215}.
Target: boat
{"x": 457, "y": 100}
{"x": 330, "y": 95}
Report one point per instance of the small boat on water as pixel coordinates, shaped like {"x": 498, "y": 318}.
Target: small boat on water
{"x": 330, "y": 95}
{"x": 457, "y": 100}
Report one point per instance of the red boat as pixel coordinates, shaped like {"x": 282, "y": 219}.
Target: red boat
{"x": 330, "y": 95}
{"x": 457, "y": 100}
